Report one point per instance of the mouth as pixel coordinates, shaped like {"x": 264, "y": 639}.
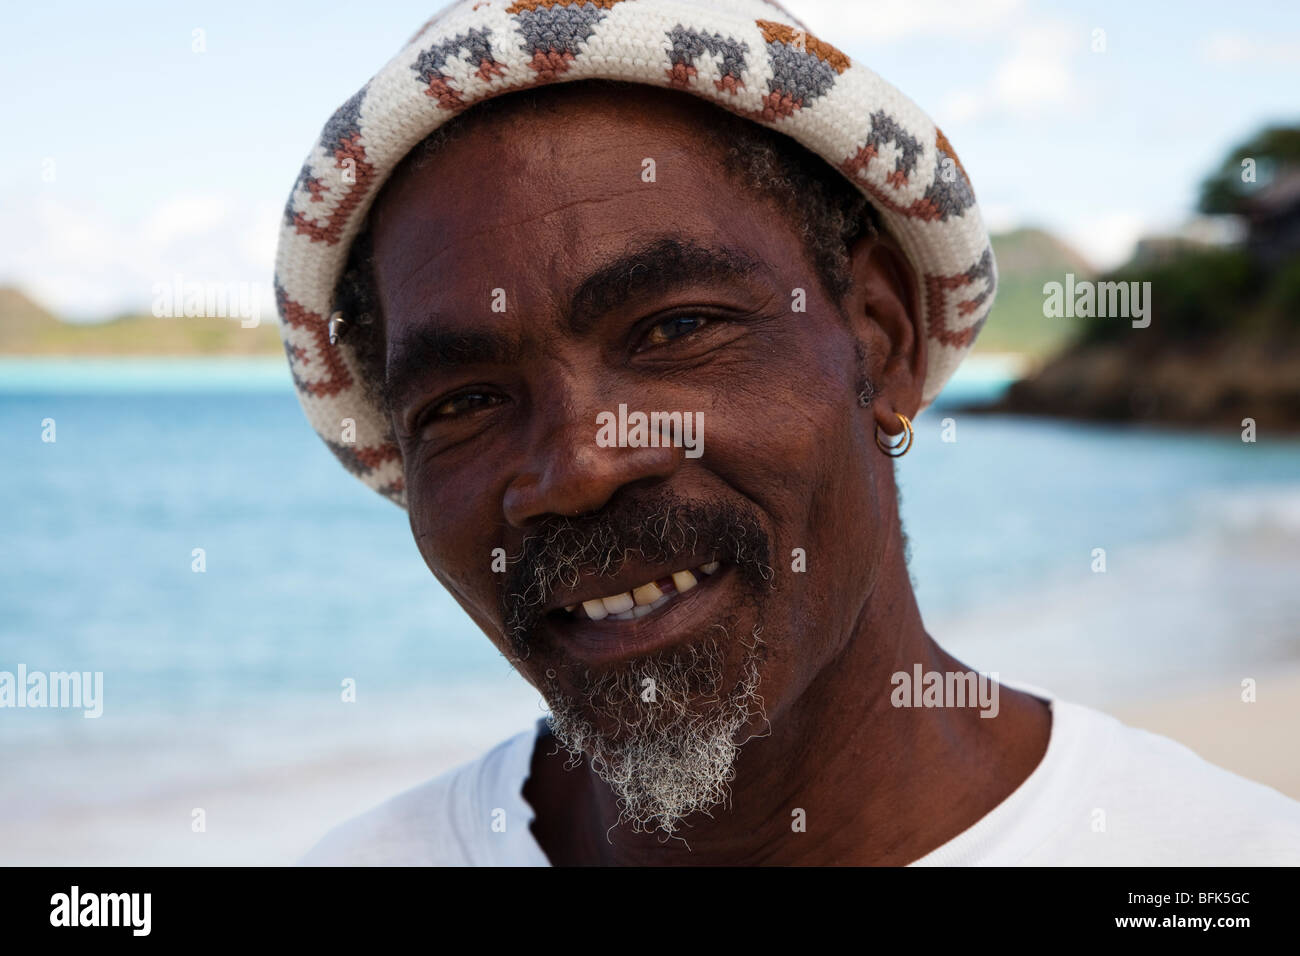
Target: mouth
{"x": 644, "y": 599}
{"x": 661, "y": 611}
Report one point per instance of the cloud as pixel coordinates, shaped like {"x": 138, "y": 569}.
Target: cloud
{"x": 259, "y": 242}
{"x": 1233, "y": 48}
{"x": 1107, "y": 239}
{"x": 962, "y": 106}
{"x": 1037, "y": 74}
{"x": 888, "y": 20}
{"x": 83, "y": 263}
{"x": 184, "y": 216}
{"x": 1000, "y": 217}
{"x": 1034, "y": 78}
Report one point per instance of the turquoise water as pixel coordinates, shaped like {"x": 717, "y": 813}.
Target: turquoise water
{"x": 142, "y": 376}
{"x": 311, "y": 579}
{"x": 309, "y": 575}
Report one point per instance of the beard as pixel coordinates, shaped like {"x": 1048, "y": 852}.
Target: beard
{"x": 662, "y": 731}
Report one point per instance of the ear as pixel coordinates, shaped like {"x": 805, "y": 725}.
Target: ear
{"x": 884, "y": 316}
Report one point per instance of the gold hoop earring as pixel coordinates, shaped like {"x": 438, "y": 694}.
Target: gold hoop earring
{"x": 903, "y": 446}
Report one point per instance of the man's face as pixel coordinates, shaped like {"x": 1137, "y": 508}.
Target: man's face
{"x": 531, "y": 278}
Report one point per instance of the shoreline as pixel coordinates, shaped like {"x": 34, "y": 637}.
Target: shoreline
{"x": 1225, "y": 427}
{"x": 1219, "y": 383}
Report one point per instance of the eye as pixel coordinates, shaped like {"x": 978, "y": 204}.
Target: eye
{"x": 462, "y": 404}
{"x": 668, "y": 330}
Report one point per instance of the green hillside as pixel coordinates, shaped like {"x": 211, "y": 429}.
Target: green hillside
{"x": 1028, "y": 258}
{"x": 28, "y": 329}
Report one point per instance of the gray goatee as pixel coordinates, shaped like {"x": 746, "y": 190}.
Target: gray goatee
{"x": 662, "y": 731}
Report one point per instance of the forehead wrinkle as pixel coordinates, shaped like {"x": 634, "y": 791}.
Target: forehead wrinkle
{"x": 484, "y": 225}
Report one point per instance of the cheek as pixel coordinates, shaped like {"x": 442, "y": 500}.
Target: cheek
{"x": 793, "y": 436}
{"x": 796, "y": 441}
{"x": 455, "y": 548}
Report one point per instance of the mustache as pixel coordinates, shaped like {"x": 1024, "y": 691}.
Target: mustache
{"x": 657, "y": 529}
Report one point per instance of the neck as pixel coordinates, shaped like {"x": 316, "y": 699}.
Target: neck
{"x": 845, "y": 777}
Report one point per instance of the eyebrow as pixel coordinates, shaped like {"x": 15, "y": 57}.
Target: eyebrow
{"x": 426, "y": 351}
{"x": 654, "y": 267}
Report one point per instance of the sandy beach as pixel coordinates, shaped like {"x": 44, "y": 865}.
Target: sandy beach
{"x": 1259, "y": 740}
{"x": 272, "y": 817}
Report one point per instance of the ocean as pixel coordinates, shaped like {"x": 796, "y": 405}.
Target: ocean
{"x": 222, "y": 689}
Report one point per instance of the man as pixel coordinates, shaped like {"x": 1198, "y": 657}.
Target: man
{"x": 632, "y": 311}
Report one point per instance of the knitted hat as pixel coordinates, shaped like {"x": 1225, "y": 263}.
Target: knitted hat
{"x": 748, "y": 56}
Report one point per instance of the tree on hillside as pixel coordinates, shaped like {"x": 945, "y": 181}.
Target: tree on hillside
{"x": 1260, "y": 182}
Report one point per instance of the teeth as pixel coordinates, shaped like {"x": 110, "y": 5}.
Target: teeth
{"x": 642, "y": 600}
{"x": 618, "y": 603}
{"x": 641, "y": 610}
{"x": 646, "y": 594}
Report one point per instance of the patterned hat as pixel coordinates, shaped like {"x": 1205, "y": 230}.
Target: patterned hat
{"x": 748, "y": 56}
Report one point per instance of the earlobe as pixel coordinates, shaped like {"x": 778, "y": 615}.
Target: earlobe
{"x": 898, "y": 448}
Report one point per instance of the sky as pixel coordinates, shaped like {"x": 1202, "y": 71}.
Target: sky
{"x": 145, "y": 150}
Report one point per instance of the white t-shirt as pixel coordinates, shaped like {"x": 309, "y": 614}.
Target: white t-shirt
{"x": 1103, "y": 794}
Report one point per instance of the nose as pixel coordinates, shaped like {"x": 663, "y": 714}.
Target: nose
{"x": 567, "y": 473}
